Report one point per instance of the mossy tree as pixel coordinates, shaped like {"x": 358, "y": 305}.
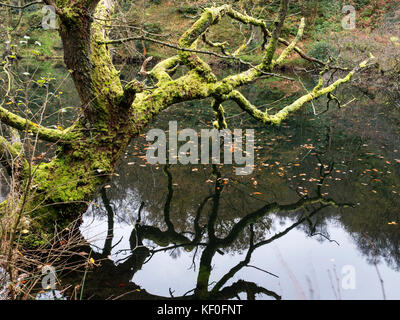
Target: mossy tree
{"x": 61, "y": 189}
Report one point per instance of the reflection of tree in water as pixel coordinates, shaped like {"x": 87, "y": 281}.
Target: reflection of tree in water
{"x": 203, "y": 239}
{"x": 188, "y": 199}
{"x": 180, "y": 211}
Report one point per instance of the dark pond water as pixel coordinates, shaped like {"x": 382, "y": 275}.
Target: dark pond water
{"x": 184, "y": 230}
{"x": 198, "y": 231}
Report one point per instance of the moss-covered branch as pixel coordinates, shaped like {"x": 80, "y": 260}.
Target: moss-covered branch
{"x": 161, "y": 70}
{"x": 130, "y": 91}
{"x": 22, "y": 124}
{"x": 273, "y": 41}
{"x": 220, "y": 45}
{"x": 105, "y": 78}
{"x": 189, "y": 39}
{"x": 283, "y": 114}
{"x": 220, "y": 122}
{"x": 293, "y": 44}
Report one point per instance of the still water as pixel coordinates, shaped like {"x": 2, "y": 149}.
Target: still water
{"x": 318, "y": 218}
{"x": 200, "y": 231}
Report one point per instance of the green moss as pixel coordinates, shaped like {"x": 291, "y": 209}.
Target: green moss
{"x": 62, "y": 190}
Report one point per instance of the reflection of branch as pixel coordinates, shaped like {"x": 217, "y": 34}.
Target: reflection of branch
{"x": 140, "y": 254}
{"x": 197, "y": 228}
{"x": 375, "y": 264}
{"x": 215, "y": 207}
{"x": 239, "y": 266}
{"x": 324, "y": 236}
{"x": 284, "y": 232}
{"x": 110, "y": 218}
{"x": 253, "y": 246}
{"x": 167, "y": 206}
{"x": 257, "y": 268}
{"x": 204, "y": 288}
{"x": 272, "y": 208}
{"x": 244, "y": 286}
{"x": 164, "y": 238}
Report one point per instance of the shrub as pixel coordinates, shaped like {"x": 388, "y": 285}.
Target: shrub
{"x": 153, "y": 27}
{"x": 322, "y": 50}
{"x": 188, "y": 9}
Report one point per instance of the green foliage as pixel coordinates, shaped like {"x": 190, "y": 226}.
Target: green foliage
{"x": 153, "y": 27}
{"x": 323, "y": 50}
{"x": 361, "y": 3}
{"x": 188, "y": 9}
{"x": 323, "y": 25}
{"x": 33, "y": 20}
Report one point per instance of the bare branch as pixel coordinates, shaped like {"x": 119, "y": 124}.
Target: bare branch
{"x": 143, "y": 71}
